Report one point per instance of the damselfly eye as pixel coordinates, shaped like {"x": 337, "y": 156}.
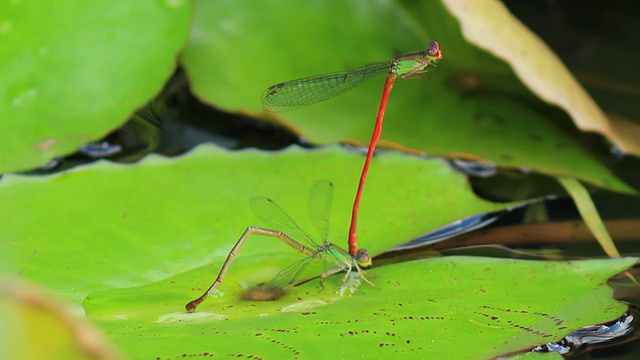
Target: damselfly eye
{"x": 363, "y": 258}
{"x": 433, "y": 50}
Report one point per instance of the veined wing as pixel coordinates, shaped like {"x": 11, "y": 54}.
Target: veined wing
{"x": 293, "y": 94}
{"x": 291, "y": 273}
{"x": 320, "y": 202}
{"x": 277, "y": 219}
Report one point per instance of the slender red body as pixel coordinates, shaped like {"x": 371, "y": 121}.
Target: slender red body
{"x": 377, "y": 130}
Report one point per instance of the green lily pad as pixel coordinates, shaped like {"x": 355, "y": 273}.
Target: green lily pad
{"x": 452, "y": 307}
{"x": 74, "y": 71}
{"x": 200, "y": 203}
{"x": 472, "y": 105}
{"x": 132, "y": 244}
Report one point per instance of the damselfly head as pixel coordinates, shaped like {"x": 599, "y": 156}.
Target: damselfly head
{"x": 433, "y": 50}
{"x": 363, "y": 258}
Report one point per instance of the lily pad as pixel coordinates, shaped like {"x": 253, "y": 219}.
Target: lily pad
{"x": 452, "y": 307}
{"x": 154, "y": 234}
{"x": 198, "y": 206}
{"x": 472, "y": 105}
{"x": 74, "y": 71}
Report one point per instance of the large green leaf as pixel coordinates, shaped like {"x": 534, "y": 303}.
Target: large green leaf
{"x": 139, "y": 241}
{"x": 471, "y": 105}
{"x": 72, "y": 71}
{"x": 200, "y": 204}
{"x": 452, "y": 307}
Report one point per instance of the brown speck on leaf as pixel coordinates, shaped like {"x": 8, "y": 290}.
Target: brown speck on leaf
{"x": 47, "y": 144}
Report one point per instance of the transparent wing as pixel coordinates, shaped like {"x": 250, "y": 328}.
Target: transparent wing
{"x": 320, "y": 202}
{"x": 278, "y": 219}
{"x": 302, "y": 92}
{"x": 291, "y": 273}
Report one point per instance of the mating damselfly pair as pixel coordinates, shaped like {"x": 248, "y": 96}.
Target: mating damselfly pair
{"x": 302, "y": 92}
